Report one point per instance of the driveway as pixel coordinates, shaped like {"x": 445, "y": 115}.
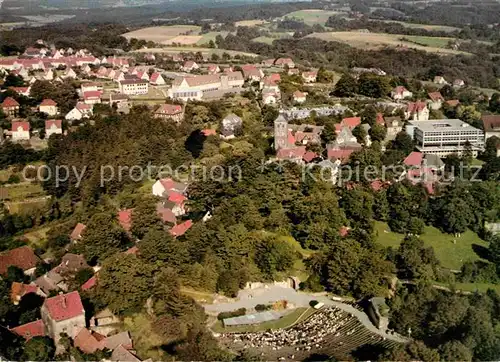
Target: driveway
{"x": 249, "y": 298}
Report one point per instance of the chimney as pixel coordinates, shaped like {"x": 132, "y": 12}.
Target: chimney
{"x": 64, "y": 301}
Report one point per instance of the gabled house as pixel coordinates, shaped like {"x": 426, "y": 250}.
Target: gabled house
{"x": 69, "y": 73}
{"x": 167, "y": 184}
{"x": 252, "y": 73}
{"x": 30, "y": 330}
{"x": 10, "y": 107}
{"x": 394, "y": 125}
{"x": 400, "y": 93}
{"x": 436, "y": 100}
{"x": 49, "y": 107}
{"x": 80, "y": 111}
{"x": 91, "y": 87}
{"x": 53, "y": 126}
{"x": 414, "y": 159}
{"x": 63, "y": 313}
{"x": 24, "y": 91}
{"x": 22, "y": 257}
{"x": 170, "y": 111}
{"x": 92, "y": 97}
{"x": 458, "y": 83}
{"x": 491, "y": 126}
{"x": 284, "y": 62}
{"x": 270, "y": 98}
{"x": 156, "y": 79}
{"x": 180, "y": 229}
{"x": 299, "y": 97}
{"x": 20, "y": 131}
{"x": 213, "y": 69}
{"x": 440, "y": 80}
{"x": 189, "y": 66}
{"x": 417, "y": 111}
{"x": 77, "y": 232}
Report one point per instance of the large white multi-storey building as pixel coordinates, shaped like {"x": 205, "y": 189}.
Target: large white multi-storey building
{"x": 196, "y": 87}
{"x": 443, "y": 137}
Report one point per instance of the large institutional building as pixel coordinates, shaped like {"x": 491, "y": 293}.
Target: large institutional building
{"x": 445, "y": 136}
{"x": 196, "y": 87}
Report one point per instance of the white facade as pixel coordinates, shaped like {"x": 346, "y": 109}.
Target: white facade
{"x": 53, "y": 129}
{"x": 134, "y": 87}
{"x": 20, "y": 134}
{"x": 158, "y": 189}
{"x": 50, "y": 110}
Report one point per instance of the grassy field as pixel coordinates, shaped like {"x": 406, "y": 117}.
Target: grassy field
{"x": 204, "y": 51}
{"x": 312, "y": 16}
{"x": 146, "y": 342}
{"x": 424, "y": 26}
{"x": 272, "y": 37}
{"x": 160, "y": 34}
{"x": 296, "y": 316}
{"x": 380, "y": 40}
{"x": 472, "y": 287}
{"x": 37, "y": 237}
{"x": 451, "y": 256}
{"x": 200, "y": 297}
{"x": 429, "y": 40}
{"x": 205, "y": 38}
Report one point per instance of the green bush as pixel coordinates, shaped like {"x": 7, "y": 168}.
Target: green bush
{"x": 262, "y": 307}
{"x": 234, "y": 313}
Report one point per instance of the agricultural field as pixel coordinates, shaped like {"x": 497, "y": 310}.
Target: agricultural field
{"x": 312, "y": 16}
{"x": 163, "y": 34}
{"x": 429, "y": 41}
{"x": 205, "y": 38}
{"x": 363, "y": 40}
{"x": 249, "y": 23}
{"x": 451, "y": 255}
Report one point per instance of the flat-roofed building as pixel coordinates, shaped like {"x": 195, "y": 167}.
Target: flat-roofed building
{"x": 134, "y": 86}
{"x": 195, "y": 87}
{"x": 443, "y": 137}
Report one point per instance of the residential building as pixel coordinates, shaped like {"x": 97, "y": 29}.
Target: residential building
{"x": 92, "y": 97}
{"x": 167, "y": 184}
{"x": 20, "y": 131}
{"x": 10, "y": 107}
{"x": 22, "y": 257}
{"x": 30, "y": 330}
{"x": 91, "y": 87}
{"x": 394, "y": 125}
{"x": 440, "y": 80}
{"x": 125, "y": 219}
{"x": 284, "y": 62}
{"x": 196, "y": 87}
{"x": 299, "y": 97}
{"x": 417, "y": 111}
{"x": 252, "y": 73}
{"x": 289, "y": 136}
{"x": 53, "y": 126}
{"x": 458, "y": 83}
{"x": 344, "y": 145}
{"x": 436, "y": 100}
{"x": 170, "y": 111}
{"x": 48, "y": 106}
{"x": 443, "y": 137}
{"x": 270, "y": 98}
{"x": 189, "y": 66}
{"x": 156, "y": 79}
{"x": 180, "y": 229}
{"x": 231, "y": 125}
{"x": 213, "y": 69}
{"x": 400, "y": 93}
{"x": 310, "y": 77}
{"x": 267, "y": 62}
{"x": 491, "y": 126}
{"x": 63, "y": 313}
{"x": 77, "y": 232}
{"x": 80, "y": 111}
{"x": 134, "y": 86}
{"x": 24, "y": 91}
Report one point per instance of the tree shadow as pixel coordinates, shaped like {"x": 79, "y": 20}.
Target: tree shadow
{"x": 481, "y": 251}
{"x": 368, "y": 352}
{"x": 318, "y": 357}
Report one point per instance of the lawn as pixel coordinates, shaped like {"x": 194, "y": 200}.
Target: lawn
{"x": 424, "y": 26}
{"x": 312, "y": 16}
{"x": 429, "y": 40}
{"x": 471, "y": 287}
{"x": 200, "y": 297}
{"x": 160, "y": 34}
{"x": 194, "y": 49}
{"x": 451, "y": 256}
{"x": 288, "y": 320}
{"x": 147, "y": 343}
{"x": 272, "y": 37}
{"x": 37, "y": 237}
{"x": 250, "y": 22}
{"x": 205, "y": 38}
{"x": 23, "y": 191}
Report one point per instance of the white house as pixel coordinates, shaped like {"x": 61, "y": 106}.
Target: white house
{"x": 167, "y": 184}
{"x": 156, "y": 79}
{"x": 310, "y": 77}
{"x": 48, "y": 106}
{"x": 299, "y": 97}
{"x": 20, "y": 131}
{"x": 53, "y": 126}
{"x": 269, "y": 98}
{"x": 134, "y": 86}
{"x": 417, "y": 111}
{"x": 80, "y": 111}
{"x": 400, "y": 93}
{"x": 189, "y": 66}
{"x": 92, "y": 97}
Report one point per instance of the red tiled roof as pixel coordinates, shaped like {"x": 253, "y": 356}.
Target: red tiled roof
{"x": 48, "y": 102}
{"x": 275, "y": 77}
{"x": 166, "y": 214}
{"x": 400, "y": 89}
{"x": 491, "y": 122}
{"x": 20, "y": 89}
{"x": 209, "y": 132}
{"x": 25, "y": 126}
{"x": 351, "y": 122}
{"x": 22, "y": 257}
{"x": 414, "y": 159}
{"x": 291, "y": 153}
{"x": 64, "y": 306}
{"x": 436, "y": 96}
{"x": 77, "y": 231}
{"x": 89, "y": 283}
{"x": 9, "y": 102}
{"x": 169, "y": 109}
{"x": 176, "y": 197}
{"x": 125, "y": 219}
{"x": 380, "y": 119}
{"x": 30, "y": 330}
{"x": 342, "y": 154}
{"x": 377, "y": 185}
{"x": 309, "y": 156}
{"x": 180, "y": 229}
{"x": 18, "y": 290}
{"x": 299, "y": 94}
{"x": 55, "y": 122}
{"x": 154, "y": 77}
{"x": 453, "y": 102}
{"x": 83, "y": 106}
{"x": 416, "y": 106}
{"x": 344, "y": 230}
{"x": 92, "y": 94}
{"x": 86, "y": 342}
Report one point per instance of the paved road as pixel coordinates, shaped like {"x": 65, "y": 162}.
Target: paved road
{"x": 250, "y": 298}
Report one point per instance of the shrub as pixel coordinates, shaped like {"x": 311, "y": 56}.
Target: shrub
{"x": 262, "y": 307}
{"x": 234, "y": 313}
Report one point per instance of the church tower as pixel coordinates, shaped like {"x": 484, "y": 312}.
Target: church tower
{"x": 280, "y": 132}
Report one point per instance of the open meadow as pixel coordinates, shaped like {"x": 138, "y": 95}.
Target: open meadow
{"x": 312, "y": 16}
{"x": 446, "y": 28}
{"x": 375, "y": 41}
{"x": 255, "y": 22}
{"x": 204, "y": 51}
